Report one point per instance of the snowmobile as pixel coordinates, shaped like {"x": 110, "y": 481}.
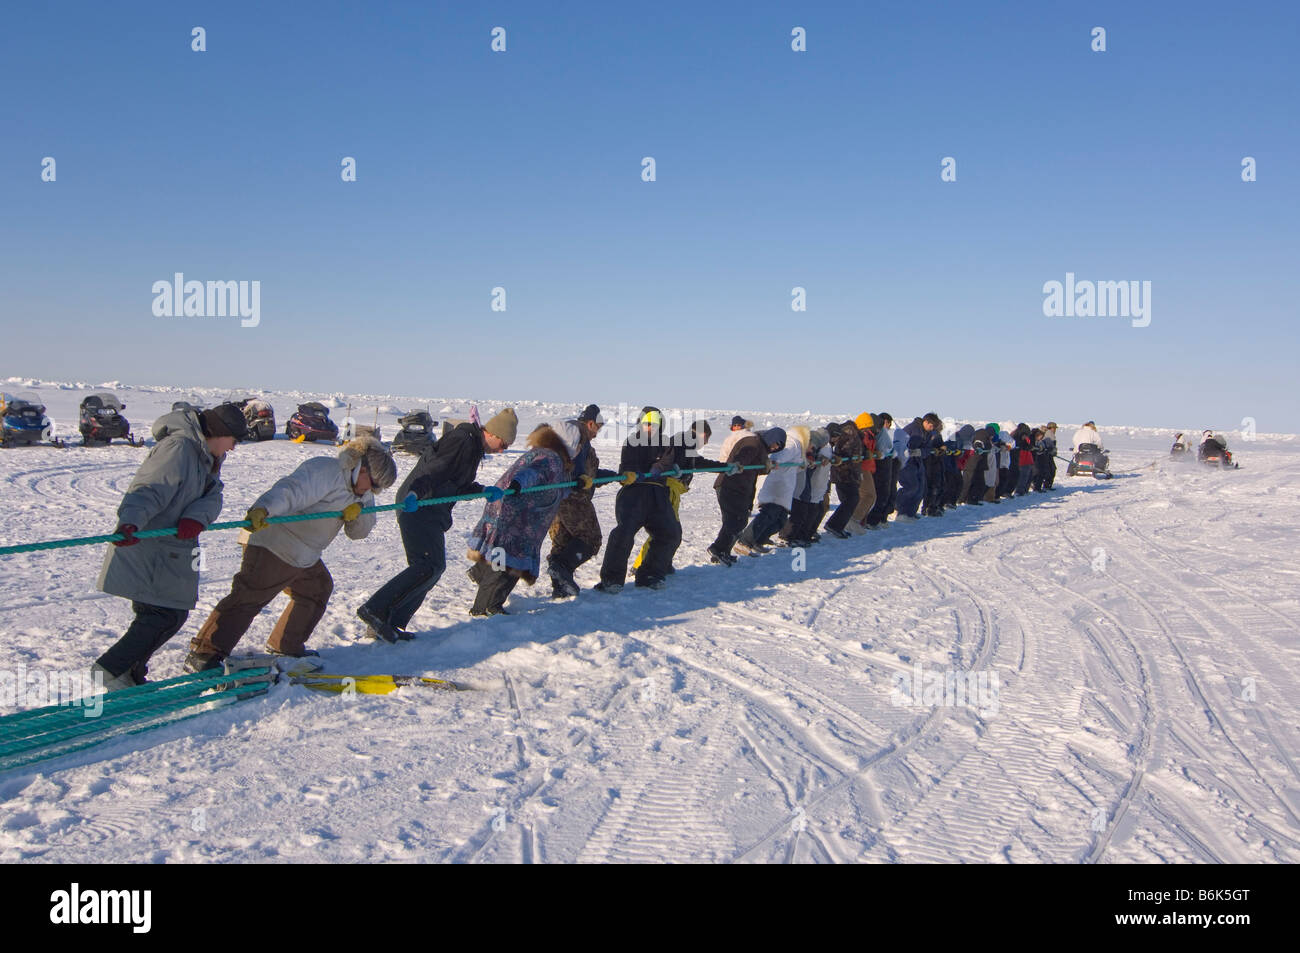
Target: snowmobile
{"x": 102, "y": 421}
{"x": 1180, "y": 452}
{"x": 24, "y": 421}
{"x": 1214, "y": 452}
{"x": 1089, "y": 460}
{"x": 260, "y": 417}
{"x": 416, "y": 433}
{"x": 312, "y": 422}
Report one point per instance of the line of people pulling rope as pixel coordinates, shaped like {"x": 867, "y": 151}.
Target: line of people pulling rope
{"x": 876, "y": 469}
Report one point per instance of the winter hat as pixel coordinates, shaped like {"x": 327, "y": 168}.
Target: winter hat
{"x": 224, "y": 420}
{"x": 738, "y": 421}
{"x": 650, "y": 415}
{"x": 368, "y": 450}
{"x": 504, "y": 426}
{"x": 818, "y": 439}
{"x": 1091, "y": 424}
{"x": 1051, "y": 425}
{"x": 864, "y": 420}
{"x": 593, "y": 414}
{"x": 992, "y": 428}
{"x": 773, "y": 436}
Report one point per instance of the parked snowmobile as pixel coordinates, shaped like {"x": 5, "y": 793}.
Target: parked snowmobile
{"x": 312, "y": 422}
{"x": 1089, "y": 460}
{"x": 24, "y": 421}
{"x": 1214, "y": 452}
{"x": 102, "y": 421}
{"x": 260, "y": 417}
{"x": 416, "y": 433}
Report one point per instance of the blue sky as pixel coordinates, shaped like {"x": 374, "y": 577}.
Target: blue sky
{"x": 775, "y": 169}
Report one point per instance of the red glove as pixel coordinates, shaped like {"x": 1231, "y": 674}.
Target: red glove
{"x": 189, "y": 529}
{"x": 127, "y": 530}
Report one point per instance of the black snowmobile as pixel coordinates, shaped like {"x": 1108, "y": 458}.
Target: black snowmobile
{"x": 312, "y": 422}
{"x": 1089, "y": 460}
{"x": 24, "y": 422}
{"x": 416, "y": 433}
{"x": 260, "y": 417}
{"x": 1215, "y": 453}
{"x": 102, "y": 421}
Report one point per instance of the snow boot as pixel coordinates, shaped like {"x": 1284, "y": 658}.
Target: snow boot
{"x": 716, "y": 555}
{"x": 379, "y": 628}
{"x": 111, "y": 683}
{"x": 202, "y": 661}
{"x": 561, "y": 564}
{"x": 493, "y": 589}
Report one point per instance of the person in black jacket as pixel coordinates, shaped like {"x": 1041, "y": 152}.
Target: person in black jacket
{"x": 686, "y": 459}
{"x": 736, "y": 489}
{"x": 846, "y": 473}
{"x": 933, "y": 462}
{"x": 1045, "y": 458}
{"x": 978, "y": 466}
{"x": 642, "y": 503}
{"x": 448, "y": 468}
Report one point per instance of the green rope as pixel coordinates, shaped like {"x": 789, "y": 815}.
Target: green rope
{"x": 156, "y": 720}
{"x": 34, "y": 720}
{"x": 133, "y": 710}
{"x": 338, "y": 514}
{"x": 435, "y": 501}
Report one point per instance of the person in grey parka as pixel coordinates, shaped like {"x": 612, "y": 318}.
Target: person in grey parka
{"x": 178, "y": 485}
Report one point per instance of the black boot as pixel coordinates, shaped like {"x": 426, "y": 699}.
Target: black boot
{"x": 493, "y": 588}
{"x": 561, "y": 564}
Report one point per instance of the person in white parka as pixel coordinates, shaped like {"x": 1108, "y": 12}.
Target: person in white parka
{"x": 1087, "y": 434}
{"x": 776, "y": 495}
{"x": 286, "y": 557}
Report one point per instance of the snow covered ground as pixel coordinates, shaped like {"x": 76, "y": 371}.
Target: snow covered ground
{"x": 1130, "y": 645}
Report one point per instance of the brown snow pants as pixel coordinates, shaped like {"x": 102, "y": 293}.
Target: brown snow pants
{"x": 261, "y": 577}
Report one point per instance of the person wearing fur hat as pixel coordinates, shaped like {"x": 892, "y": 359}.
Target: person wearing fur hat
{"x": 642, "y": 503}
{"x": 776, "y": 494}
{"x": 735, "y": 490}
{"x": 506, "y": 545}
{"x": 286, "y": 557}
{"x": 447, "y": 468}
{"x": 178, "y": 484}
{"x": 575, "y": 534}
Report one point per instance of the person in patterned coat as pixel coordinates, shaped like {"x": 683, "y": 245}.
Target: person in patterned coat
{"x": 506, "y": 545}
